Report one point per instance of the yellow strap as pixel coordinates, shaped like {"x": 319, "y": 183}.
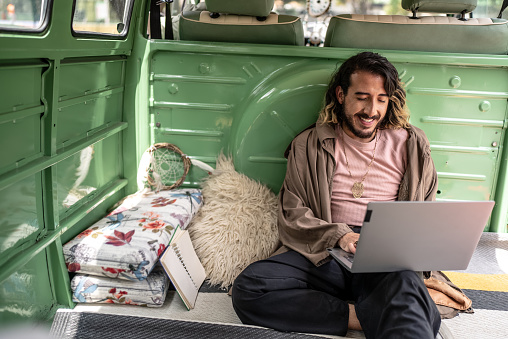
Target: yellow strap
{"x": 483, "y": 282}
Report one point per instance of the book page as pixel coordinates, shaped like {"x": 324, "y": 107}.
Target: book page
{"x": 191, "y": 260}
{"x": 184, "y": 268}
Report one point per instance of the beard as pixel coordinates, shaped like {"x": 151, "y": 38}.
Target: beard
{"x": 348, "y": 120}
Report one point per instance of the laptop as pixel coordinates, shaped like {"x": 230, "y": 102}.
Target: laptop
{"x": 417, "y": 235}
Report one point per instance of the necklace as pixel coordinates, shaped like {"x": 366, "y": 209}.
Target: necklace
{"x": 357, "y": 188}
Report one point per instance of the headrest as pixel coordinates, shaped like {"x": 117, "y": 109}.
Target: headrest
{"x": 440, "y": 6}
{"x": 240, "y": 7}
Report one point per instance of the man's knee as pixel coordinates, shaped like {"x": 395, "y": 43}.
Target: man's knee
{"x": 409, "y": 278}
{"x": 406, "y": 285}
{"x": 250, "y": 294}
{"x": 251, "y": 284}
{"x": 407, "y": 275}
{"x": 412, "y": 286}
{"x": 250, "y": 279}
{"x": 264, "y": 278}
{"x": 245, "y": 282}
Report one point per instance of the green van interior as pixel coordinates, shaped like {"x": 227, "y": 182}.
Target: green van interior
{"x": 78, "y": 109}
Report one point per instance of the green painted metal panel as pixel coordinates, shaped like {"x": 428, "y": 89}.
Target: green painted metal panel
{"x": 78, "y": 121}
{"x": 20, "y": 111}
{"x": 20, "y": 222}
{"x": 91, "y": 103}
{"x": 420, "y": 75}
{"x": 94, "y": 74}
{"x": 20, "y": 85}
{"x": 499, "y": 214}
{"x": 87, "y": 171}
{"x": 23, "y": 137}
{"x": 465, "y": 176}
{"x": 463, "y": 111}
{"x": 26, "y": 295}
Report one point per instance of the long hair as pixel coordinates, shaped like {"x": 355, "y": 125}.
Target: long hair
{"x": 397, "y": 115}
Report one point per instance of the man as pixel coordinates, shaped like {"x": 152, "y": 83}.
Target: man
{"x": 361, "y": 149}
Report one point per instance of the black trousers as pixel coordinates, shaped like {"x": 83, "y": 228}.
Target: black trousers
{"x": 289, "y": 293}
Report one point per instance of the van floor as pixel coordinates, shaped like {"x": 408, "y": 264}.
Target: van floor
{"x": 485, "y": 282}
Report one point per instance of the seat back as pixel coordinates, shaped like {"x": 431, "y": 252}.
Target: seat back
{"x": 436, "y": 6}
{"x": 258, "y": 8}
{"x": 457, "y": 34}
{"x": 247, "y": 21}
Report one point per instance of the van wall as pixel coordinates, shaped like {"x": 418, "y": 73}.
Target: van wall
{"x": 251, "y": 101}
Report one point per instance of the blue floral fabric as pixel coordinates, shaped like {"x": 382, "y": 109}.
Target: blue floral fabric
{"x": 150, "y": 292}
{"x": 127, "y": 243}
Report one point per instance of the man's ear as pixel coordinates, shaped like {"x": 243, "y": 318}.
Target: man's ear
{"x": 340, "y": 94}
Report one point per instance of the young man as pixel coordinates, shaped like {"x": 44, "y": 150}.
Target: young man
{"x": 361, "y": 149}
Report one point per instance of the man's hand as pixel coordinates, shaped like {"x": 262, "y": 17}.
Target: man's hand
{"x": 348, "y": 242}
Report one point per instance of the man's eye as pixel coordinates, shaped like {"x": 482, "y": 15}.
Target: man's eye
{"x": 361, "y": 99}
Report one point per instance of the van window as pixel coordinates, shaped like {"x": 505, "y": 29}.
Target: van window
{"x": 22, "y": 15}
{"x": 101, "y": 17}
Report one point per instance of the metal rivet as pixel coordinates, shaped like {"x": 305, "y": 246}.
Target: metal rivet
{"x": 485, "y": 106}
{"x": 204, "y": 68}
{"x": 173, "y": 88}
{"x": 158, "y": 124}
{"x": 455, "y": 81}
{"x": 494, "y": 144}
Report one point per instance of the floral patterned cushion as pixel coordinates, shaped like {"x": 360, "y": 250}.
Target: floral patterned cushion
{"x": 150, "y": 292}
{"x": 128, "y": 242}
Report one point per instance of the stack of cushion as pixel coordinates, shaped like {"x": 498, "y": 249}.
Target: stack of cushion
{"x": 114, "y": 259}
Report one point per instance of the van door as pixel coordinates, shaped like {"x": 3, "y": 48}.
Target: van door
{"x": 62, "y": 90}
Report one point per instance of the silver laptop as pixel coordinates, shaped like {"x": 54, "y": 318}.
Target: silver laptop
{"x": 417, "y": 235}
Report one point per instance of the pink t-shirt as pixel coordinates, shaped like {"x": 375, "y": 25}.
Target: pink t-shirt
{"x": 384, "y": 177}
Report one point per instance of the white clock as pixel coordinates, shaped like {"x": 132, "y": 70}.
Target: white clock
{"x": 317, "y": 8}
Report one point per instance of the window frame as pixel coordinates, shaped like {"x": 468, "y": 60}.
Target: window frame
{"x": 41, "y": 29}
{"x": 99, "y": 35}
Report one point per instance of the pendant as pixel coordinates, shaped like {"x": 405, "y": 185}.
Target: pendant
{"x": 357, "y": 190}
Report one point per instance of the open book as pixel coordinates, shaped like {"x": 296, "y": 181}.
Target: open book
{"x": 183, "y": 267}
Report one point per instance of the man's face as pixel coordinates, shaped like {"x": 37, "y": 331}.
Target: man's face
{"x": 364, "y": 106}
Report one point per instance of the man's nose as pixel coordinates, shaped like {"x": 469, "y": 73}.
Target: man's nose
{"x": 371, "y": 108}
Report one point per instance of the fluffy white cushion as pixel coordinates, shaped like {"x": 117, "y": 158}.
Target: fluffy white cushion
{"x": 236, "y": 225}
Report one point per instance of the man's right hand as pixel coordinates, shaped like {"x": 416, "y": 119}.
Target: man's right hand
{"x": 348, "y": 242}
